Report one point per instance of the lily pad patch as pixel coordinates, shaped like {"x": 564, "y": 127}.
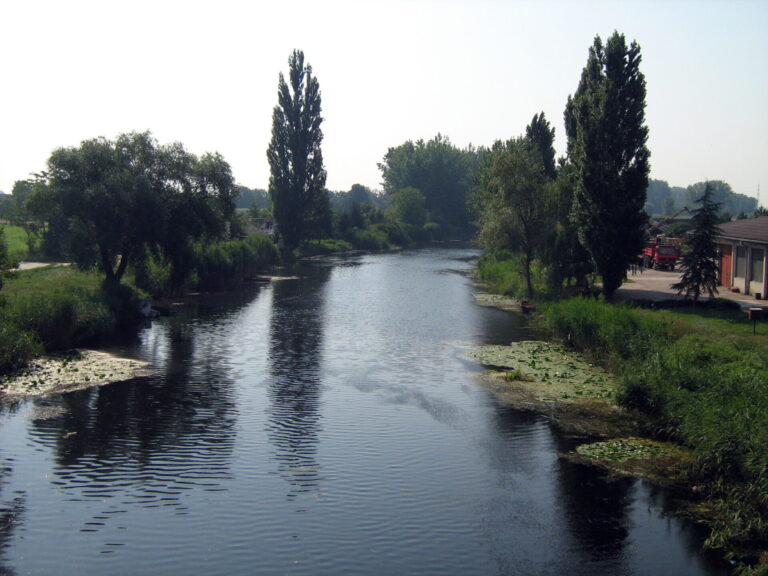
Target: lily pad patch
{"x": 561, "y": 374}
{"x": 623, "y": 449}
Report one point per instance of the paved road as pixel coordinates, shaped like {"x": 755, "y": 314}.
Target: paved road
{"x": 655, "y": 285}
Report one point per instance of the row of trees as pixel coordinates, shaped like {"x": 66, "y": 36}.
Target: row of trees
{"x": 586, "y": 213}
{"x": 425, "y": 183}
{"x": 665, "y": 200}
{"x": 112, "y": 203}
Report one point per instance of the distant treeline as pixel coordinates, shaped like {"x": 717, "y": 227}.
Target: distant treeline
{"x": 662, "y": 200}
{"x": 665, "y": 200}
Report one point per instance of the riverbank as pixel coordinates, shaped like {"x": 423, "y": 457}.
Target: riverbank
{"x": 694, "y": 376}
{"x": 579, "y": 399}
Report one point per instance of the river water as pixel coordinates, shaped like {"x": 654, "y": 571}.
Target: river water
{"x": 328, "y": 424}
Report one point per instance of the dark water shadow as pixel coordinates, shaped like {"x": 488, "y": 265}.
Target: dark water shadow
{"x": 145, "y": 442}
{"x": 295, "y": 385}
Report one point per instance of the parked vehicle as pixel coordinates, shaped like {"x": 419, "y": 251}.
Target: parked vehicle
{"x": 662, "y": 253}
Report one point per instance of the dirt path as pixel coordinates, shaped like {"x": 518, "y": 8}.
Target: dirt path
{"x": 32, "y": 265}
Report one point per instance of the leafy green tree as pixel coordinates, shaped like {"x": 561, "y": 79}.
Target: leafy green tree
{"x": 605, "y": 125}
{"x": 699, "y": 261}
{"x": 297, "y": 175}
{"x": 113, "y": 202}
{"x": 443, "y": 173}
{"x": 566, "y": 259}
{"x": 514, "y": 188}
{"x": 408, "y": 206}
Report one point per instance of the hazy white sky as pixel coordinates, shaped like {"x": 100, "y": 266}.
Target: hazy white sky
{"x": 205, "y": 74}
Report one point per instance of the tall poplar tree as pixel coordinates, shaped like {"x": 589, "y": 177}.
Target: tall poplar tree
{"x": 297, "y": 175}
{"x": 605, "y": 124}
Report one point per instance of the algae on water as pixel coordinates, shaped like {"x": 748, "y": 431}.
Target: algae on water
{"x": 623, "y": 449}
{"x": 560, "y": 373}
{"x": 70, "y": 371}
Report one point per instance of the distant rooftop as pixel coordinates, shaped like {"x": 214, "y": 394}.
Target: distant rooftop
{"x": 751, "y": 229}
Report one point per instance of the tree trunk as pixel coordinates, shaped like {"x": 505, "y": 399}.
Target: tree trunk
{"x": 527, "y": 262}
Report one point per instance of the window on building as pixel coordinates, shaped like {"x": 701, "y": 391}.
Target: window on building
{"x": 758, "y": 259}
{"x": 741, "y": 261}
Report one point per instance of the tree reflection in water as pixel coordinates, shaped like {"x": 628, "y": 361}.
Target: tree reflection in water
{"x": 11, "y": 505}
{"x": 295, "y": 349}
{"x": 149, "y": 440}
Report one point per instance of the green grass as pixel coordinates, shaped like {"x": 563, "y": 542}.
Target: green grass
{"x": 702, "y": 377}
{"x": 502, "y": 273}
{"x": 60, "y": 307}
{"x": 50, "y": 280}
{"x": 16, "y": 237}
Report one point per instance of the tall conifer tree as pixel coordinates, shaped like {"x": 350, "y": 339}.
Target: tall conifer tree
{"x": 297, "y": 174}
{"x": 605, "y": 124}
{"x": 699, "y": 261}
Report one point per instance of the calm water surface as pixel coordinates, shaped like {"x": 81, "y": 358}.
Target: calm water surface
{"x": 325, "y": 425}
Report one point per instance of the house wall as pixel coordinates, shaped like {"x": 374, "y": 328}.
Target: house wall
{"x": 745, "y": 268}
{"x": 757, "y": 271}
{"x": 726, "y": 266}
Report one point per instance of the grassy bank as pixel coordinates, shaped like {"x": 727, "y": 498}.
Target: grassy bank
{"x": 502, "y": 273}
{"x": 56, "y": 308}
{"x": 701, "y": 376}
{"x": 59, "y": 307}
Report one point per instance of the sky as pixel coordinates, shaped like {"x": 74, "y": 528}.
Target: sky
{"x": 205, "y": 74}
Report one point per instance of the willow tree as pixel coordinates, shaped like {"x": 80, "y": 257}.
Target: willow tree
{"x": 605, "y": 124}
{"x": 112, "y": 202}
{"x": 297, "y": 175}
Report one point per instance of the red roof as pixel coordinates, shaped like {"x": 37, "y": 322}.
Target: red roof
{"x": 749, "y": 229}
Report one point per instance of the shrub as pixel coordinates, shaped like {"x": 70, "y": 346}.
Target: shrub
{"x": 223, "y": 263}
{"x": 324, "y": 246}
{"x": 63, "y": 320}
{"x": 17, "y": 347}
{"x": 702, "y": 376}
{"x": 502, "y": 272}
{"x": 372, "y": 238}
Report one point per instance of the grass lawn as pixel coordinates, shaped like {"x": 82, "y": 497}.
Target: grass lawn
{"x": 50, "y": 280}
{"x": 16, "y": 237}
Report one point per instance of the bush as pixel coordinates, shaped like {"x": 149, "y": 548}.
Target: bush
{"x": 324, "y": 246}
{"x": 153, "y": 275}
{"x": 612, "y": 334}
{"x": 212, "y": 266}
{"x": 372, "y": 238}
{"x": 702, "y": 377}
{"x": 63, "y": 320}
{"x": 17, "y": 347}
{"x": 502, "y": 272}
{"x": 223, "y": 263}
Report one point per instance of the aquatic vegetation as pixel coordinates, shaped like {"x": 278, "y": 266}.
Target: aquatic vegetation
{"x": 69, "y": 371}
{"x": 623, "y": 449}
{"x": 560, "y": 373}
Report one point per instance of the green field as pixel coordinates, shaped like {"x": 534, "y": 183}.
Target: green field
{"x": 16, "y": 237}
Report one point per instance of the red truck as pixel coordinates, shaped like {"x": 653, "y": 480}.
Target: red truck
{"x": 662, "y": 254}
